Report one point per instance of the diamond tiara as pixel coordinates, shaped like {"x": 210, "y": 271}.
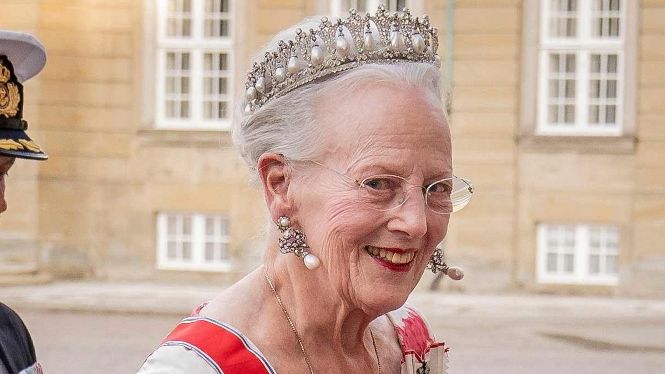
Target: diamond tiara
{"x": 383, "y": 38}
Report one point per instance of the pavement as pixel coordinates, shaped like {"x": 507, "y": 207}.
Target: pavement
{"x": 180, "y": 299}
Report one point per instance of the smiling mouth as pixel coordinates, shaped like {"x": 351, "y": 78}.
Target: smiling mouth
{"x": 390, "y": 256}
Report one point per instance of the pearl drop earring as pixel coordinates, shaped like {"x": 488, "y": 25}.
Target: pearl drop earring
{"x": 293, "y": 241}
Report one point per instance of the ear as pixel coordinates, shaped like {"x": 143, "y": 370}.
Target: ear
{"x": 275, "y": 175}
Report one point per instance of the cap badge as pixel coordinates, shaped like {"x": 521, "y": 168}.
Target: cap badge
{"x": 9, "y": 93}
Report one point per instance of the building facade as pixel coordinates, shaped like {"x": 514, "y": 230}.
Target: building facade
{"x": 555, "y": 112}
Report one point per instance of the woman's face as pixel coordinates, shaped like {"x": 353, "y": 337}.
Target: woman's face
{"x": 379, "y": 129}
{"x": 5, "y": 164}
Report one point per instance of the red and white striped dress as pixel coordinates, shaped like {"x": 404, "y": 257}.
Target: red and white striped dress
{"x": 202, "y": 345}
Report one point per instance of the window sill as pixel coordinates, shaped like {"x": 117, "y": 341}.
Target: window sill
{"x": 577, "y": 144}
{"x": 184, "y": 138}
{"x": 208, "y": 268}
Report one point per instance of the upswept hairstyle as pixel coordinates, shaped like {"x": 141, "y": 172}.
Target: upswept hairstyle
{"x": 286, "y": 125}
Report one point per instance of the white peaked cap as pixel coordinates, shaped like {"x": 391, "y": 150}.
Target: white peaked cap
{"x": 24, "y": 51}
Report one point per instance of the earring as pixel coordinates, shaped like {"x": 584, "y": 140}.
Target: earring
{"x": 293, "y": 241}
{"x": 437, "y": 264}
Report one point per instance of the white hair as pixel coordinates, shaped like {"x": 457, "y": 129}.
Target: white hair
{"x": 286, "y": 125}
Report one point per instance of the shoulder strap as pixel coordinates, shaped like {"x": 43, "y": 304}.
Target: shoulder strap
{"x": 412, "y": 332}
{"x": 223, "y": 347}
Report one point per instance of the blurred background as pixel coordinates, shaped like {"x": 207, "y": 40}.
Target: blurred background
{"x": 144, "y": 208}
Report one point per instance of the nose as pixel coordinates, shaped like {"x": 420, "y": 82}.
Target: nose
{"x": 410, "y": 217}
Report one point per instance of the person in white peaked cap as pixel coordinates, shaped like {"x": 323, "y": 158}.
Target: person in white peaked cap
{"x": 22, "y": 56}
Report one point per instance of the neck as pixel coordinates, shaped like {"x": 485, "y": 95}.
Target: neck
{"x": 315, "y": 308}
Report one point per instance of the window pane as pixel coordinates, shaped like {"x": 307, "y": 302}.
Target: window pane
{"x": 612, "y": 63}
{"x": 184, "y": 63}
{"x": 210, "y": 226}
{"x": 611, "y": 89}
{"x": 186, "y": 251}
{"x": 614, "y": 27}
{"x": 614, "y": 5}
{"x": 606, "y": 18}
{"x": 594, "y": 264}
{"x": 223, "y": 62}
{"x": 610, "y": 114}
{"x": 223, "y": 27}
{"x": 563, "y": 18}
{"x": 184, "y": 109}
{"x": 171, "y": 252}
{"x": 570, "y": 88}
{"x": 210, "y": 252}
{"x": 568, "y": 263}
{"x": 184, "y": 85}
{"x": 222, "y": 112}
{"x": 610, "y": 265}
{"x": 222, "y": 86}
{"x": 553, "y": 88}
{"x": 594, "y": 89}
{"x": 170, "y": 61}
{"x": 570, "y": 63}
{"x": 594, "y": 111}
{"x": 569, "y": 117}
{"x": 595, "y": 63}
{"x": 554, "y": 63}
{"x": 172, "y": 225}
{"x": 216, "y": 19}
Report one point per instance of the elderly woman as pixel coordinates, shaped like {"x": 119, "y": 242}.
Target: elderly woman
{"x": 344, "y": 128}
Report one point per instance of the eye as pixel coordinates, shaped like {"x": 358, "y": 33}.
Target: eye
{"x": 441, "y": 187}
{"x": 380, "y": 183}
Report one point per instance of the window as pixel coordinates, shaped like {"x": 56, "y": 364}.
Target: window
{"x": 580, "y": 254}
{"x": 194, "y": 72}
{"x": 581, "y": 67}
{"x": 340, "y": 7}
{"x": 193, "y": 242}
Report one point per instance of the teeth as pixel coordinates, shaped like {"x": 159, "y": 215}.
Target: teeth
{"x": 393, "y": 257}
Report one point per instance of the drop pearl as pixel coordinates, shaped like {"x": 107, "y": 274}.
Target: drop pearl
{"x": 261, "y": 85}
{"x": 293, "y": 66}
{"x": 311, "y": 261}
{"x": 369, "y": 43}
{"x": 396, "y": 40}
{"x": 250, "y": 93}
{"x": 316, "y": 55}
{"x": 280, "y": 74}
{"x": 342, "y": 46}
{"x": 418, "y": 43}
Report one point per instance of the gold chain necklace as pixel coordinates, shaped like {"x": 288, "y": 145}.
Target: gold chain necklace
{"x": 295, "y": 332}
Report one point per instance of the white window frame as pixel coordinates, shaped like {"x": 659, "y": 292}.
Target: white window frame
{"x": 339, "y": 8}
{"x": 197, "y": 45}
{"x": 582, "y": 251}
{"x": 198, "y": 241}
{"x": 582, "y": 46}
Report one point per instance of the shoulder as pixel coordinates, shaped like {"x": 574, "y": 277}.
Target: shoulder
{"x": 213, "y": 345}
{"x": 175, "y": 359}
{"x": 16, "y": 348}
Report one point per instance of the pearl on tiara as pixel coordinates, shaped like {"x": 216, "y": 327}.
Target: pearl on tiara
{"x": 334, "y": 47}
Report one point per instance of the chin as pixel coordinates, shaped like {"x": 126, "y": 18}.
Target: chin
{"x": 380, "y": 302}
